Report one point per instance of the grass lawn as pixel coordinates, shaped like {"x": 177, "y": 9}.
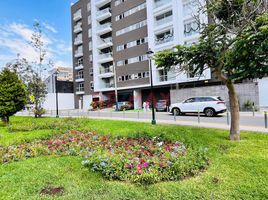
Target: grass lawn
{"x": 238, "y": 170}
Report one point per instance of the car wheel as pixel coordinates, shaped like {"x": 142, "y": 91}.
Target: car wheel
{"x": 176, "y": 111}
{"x": 210, "y": 112}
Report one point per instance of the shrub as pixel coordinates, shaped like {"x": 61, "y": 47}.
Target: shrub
{"x": 38, "y": 112}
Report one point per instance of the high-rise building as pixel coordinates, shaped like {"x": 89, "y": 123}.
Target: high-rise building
{"x": 110, "y": 41}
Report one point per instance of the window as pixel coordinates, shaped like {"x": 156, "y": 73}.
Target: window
{"x": 191, "y": 100}
{"x": 191, "y": 28}
{"x": 130, "y": 11}
{"x": 190, "y": 7}
{"x": 132, "y": 60}
{"x": 92, "y": 85}
{"x": 131, "y": 28}
{"x": 132, "y": 44}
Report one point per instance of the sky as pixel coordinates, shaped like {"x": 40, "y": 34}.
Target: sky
{"x": 16, "y": 27}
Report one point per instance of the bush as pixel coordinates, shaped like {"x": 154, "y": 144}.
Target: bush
{"x": 38, "y": 112}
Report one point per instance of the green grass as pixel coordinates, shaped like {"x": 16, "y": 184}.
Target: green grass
{"x": 238, "y": 170}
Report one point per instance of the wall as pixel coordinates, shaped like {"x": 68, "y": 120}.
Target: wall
{"x": 245, "y": 91}
{"x": 66, "y": 101}
{"x": 263, "y": 89}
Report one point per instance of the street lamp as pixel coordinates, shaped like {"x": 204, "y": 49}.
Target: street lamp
{"x": 56, "y": 91}
{"x": 150, "y": 54}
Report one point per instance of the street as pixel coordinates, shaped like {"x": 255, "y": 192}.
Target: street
{"x": 247, "y": 120}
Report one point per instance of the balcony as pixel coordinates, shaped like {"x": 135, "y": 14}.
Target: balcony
{"x": 79, "y": 78}
{"x": 108, "y": 85}
{"x": 80, "y": 90}
{"x": 100, "y": 3}
{"x": 78, "y": 53}
{"x": 164, "y": 40}
{"x": 161, "y": 3}
{"x": 104, "y": 43}
{"x": 165, "y": 21}
{"x": 78, "y": 41}
{"x": 104, "y": 28}
{"x": 166, "y": 78}
{"x": 77, "y": 16}
{"x": 106, "y": 72}
{"x": 106, "y": 57}
{"x": 79, "y": 66}
{"x": 78, "y": 28}
{"x": 103, "y": 14}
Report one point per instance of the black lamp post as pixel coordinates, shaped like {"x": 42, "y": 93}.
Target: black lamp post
{"x": 56, "y": 91}
{"x": 150, "y": 54}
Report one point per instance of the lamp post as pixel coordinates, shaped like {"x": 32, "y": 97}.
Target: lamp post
{"x": 150, "y": 54}
{"x": 56, "y": 91}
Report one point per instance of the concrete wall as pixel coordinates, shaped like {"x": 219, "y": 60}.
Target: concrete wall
{"x": 263, "y": 89}
{"x": 66, "y": 101}
{"x": 245, "y": 91}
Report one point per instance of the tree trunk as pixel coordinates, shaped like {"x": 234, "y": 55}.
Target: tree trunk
{"x": 234, "y": 109}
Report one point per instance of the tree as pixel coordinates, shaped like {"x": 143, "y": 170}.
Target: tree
{"x": 234, "y": 45}
{"x": 13, "y": 94}
{"x": 37, "y": 89}
{"x": 22, "y": 68}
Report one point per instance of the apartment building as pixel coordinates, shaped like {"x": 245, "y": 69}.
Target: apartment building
{"x": 110, "y": 41}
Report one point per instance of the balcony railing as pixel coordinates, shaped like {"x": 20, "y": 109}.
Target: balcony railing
{"x": 161, "y": 3}
{"x": 78, "y": 77}
{"x": 78, "y": 41}
{"x": 107, "y": 70}
{"x": 165, "y": 78}
{"x": 78, "y": 53}
{"x": 163, "y": 21}
{"x": 105, "y": 55}
{"x": 101, "y": 12}
{"x": 80, "y": 89}
{"x": 78, "y": 28}
{"x": 109, "y": 85}
{"x": 165, "y": 39}
{"x": 77, "y": 15}
{"x": 104, "y": 26}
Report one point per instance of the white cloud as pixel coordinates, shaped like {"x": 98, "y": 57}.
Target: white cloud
{"x": 49, "y": 27}
{"x": 15, "y": 39}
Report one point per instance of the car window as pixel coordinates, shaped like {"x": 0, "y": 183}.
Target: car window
{"x": 209, "y": 99}
{"x": 191, "y": 100}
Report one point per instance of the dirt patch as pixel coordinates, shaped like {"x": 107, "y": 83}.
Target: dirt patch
{"x": 52, "y": 191}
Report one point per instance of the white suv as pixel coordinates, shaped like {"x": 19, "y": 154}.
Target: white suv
{"x": 210, "y": 106}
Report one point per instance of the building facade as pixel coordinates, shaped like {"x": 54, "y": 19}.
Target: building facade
{"x": 64, "y": 80}
{"x": 110, "y": 41}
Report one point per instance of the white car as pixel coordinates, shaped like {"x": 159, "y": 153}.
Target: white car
{"x": 209, "y": 105}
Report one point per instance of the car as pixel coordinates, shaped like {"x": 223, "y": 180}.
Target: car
{"x": 209, "y": 105}
{"x": 161, "y": 105}
{"x": 125, "y": 105}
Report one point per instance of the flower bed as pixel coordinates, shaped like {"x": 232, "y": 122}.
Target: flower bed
{"x": 137, "y": 160}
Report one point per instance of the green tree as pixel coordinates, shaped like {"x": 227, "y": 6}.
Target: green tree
{"x": 13, "y": 94}
{"x": 234, "y": 45}
{"x": 37, "y": 89}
